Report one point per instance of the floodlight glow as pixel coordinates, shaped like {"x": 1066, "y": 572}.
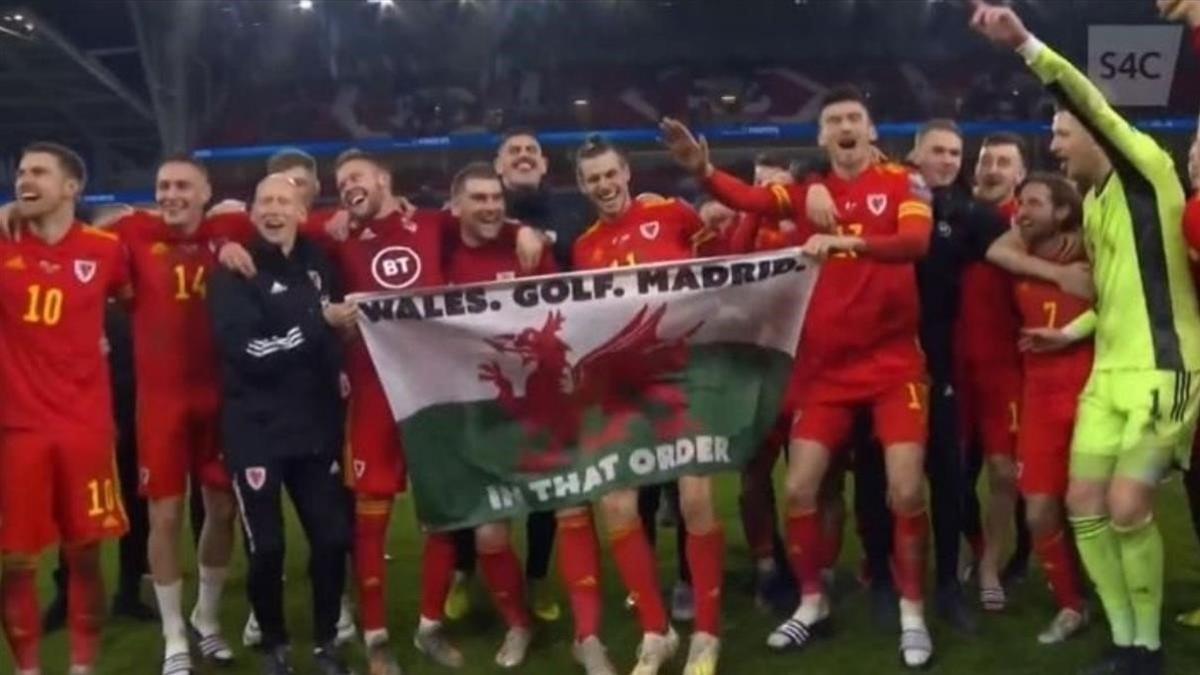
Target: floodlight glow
{"x": 304, "y": 5}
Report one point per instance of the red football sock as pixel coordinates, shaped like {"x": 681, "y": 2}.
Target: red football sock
{"x": 831, "y": 544}
{"x": 505, "y": 580}
{"x": 911, "y": 537}
{"x": 1054, "y": 552}
{"x": 370, "y": 537}
{"x": 579, "y": 566}
{"x": 22, "y": 624}
{"x": 437, "y": 574}
{"x": 706, "y": 556}
{"x": 638, "y": 569}
{"x": 804, "y": 550}
{"x": 85, "y": 603}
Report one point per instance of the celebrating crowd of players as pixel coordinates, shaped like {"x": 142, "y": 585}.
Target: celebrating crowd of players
{"x": 1048, "y": 320}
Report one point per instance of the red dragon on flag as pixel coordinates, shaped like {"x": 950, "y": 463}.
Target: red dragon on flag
{"x": 636, "y": 372}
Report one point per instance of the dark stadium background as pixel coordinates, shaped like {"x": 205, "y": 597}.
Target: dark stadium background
{"x": 125, "y": 80}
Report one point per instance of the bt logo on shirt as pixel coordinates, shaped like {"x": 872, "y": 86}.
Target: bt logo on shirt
{"x": 396, "y": 267}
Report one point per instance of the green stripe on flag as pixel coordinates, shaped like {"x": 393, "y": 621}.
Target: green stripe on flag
{"x": 466, "y": 459}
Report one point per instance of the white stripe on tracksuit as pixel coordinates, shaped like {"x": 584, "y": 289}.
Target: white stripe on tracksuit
{"x": 237, "y": 493}
{"x": 260, "y": 348}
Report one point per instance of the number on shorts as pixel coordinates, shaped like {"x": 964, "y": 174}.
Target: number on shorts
{"x": 1050, "y": 307}
{"x": 914, "y": 396}
{"x": 103, "y": 496}
{"x": 44, "y": 308}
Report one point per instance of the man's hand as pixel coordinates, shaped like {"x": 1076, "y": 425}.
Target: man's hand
{"x": 8, "y": 220}
{"x": 338, "y": 225}
{"x": 341, "y": 315}
{"x": 1076, "y": 279}
{"x": 235, "y": 258}
{"x": 531, "y": 244}
{"x": 226, "y": 206}
{"x": 1000, "y": 25}
{"x": 689, "y": 153}
{"x": 1187, "y": 11}
{"x": 1041, "y": 340}
{"x": 820, "y": 208}
{"x": 405, "y": 207}
{"x": 821, "y": 246}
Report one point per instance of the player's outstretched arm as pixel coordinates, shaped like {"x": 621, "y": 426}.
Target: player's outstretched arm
{"x": 1009, "y": 253}
{"x": 691, "y": 153}
{"x": 1003, "y": 27}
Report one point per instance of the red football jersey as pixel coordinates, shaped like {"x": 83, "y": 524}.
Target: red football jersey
{"x": 1044, "y": 305}
{"x": 755, "y": 232}
{"x": 391, "y": 253}
{"x": 495, "y": 260}
{"x": 988, "y": 320}
{"x": 174, "y": 351}
{"x": 864, "y": 304}
{"x": 648, "y": 232}
{"x": 53, "y": 370}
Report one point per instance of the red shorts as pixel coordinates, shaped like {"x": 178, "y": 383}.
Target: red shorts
{"x": 989, "y": 408}
{"x": 58, "y": 485}
{"x": 900, "y": 413}
{"x": 179, "y": 436}
{"x": 1044, "y": 444}
{"x": 374, "y": 453}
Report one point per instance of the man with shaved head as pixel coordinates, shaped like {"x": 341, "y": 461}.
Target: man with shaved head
{"x": 280, "y": 360}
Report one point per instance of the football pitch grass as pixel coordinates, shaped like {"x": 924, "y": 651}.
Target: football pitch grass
{"x": 1005, "y": 644}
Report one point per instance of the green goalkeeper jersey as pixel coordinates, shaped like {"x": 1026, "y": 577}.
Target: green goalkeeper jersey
{"x": 1132, "y": 223}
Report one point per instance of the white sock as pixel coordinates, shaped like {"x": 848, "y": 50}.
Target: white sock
{"x": 812, "y": 609}
{"x": 912, "y": 615}
{"x": 428, "y": 625}
{"x": 208, "y": 599}
{"x": 375, "y": 637}
{"x": 170, "y": 599}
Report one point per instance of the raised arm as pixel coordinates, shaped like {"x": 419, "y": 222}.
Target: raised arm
{"x": 1121, "y": 141}
{"x": 692, "y": 154}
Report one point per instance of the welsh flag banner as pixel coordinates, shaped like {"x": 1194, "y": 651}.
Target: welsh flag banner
{"x": 546, "y": 392}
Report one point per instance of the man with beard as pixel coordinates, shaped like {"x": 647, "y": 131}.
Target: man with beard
{"x": 1138, "y": 413}
{"x": 1057, "y": 358}
{"x": 56, "y": 449}
{"x": 485, "y": 252}
{"x": 521, "y": 166}
{"x": 987, "y": 369}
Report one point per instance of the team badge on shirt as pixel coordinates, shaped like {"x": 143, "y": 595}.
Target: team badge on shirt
{"x": 650, "y": 230}
{"x": 360, "y": 467}
{"x": 85, "y": 270}
{"x": 256, "y": 477}
{"x": 877, "y": 203}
